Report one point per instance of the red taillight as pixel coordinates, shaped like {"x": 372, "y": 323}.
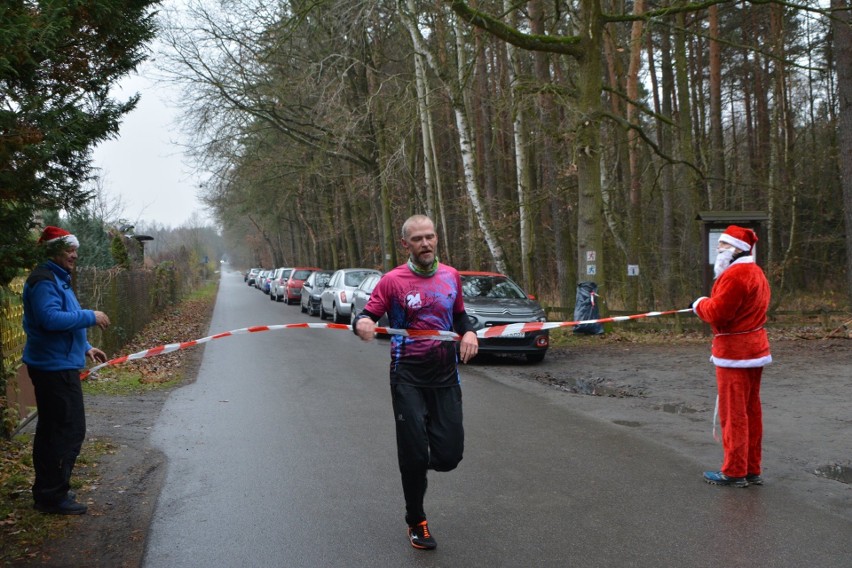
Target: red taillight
{"x": 542, "y": 341}
{"x": 343, "y": 296}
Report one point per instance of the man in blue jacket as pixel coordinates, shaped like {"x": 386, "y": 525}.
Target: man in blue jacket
{"x": 54, "y": 353}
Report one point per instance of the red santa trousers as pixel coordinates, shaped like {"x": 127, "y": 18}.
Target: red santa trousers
{"x": 741, "y": 419}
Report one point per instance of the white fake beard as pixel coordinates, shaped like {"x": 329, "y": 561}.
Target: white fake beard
{"x": 723, "y": 261}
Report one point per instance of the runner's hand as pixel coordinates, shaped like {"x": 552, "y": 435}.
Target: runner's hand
{"x": 469, "y": 346}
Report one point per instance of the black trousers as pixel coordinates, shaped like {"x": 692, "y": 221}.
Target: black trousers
{"x": 429, "y": 435}
{"x": 60, "y": 431}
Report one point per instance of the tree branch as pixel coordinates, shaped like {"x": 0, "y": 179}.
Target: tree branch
{"x": 567, "y": 45}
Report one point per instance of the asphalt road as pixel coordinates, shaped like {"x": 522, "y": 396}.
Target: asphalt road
{"x": 282, "y": 453}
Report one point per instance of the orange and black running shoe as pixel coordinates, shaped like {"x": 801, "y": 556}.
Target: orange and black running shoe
{"x": 420, "y": 536}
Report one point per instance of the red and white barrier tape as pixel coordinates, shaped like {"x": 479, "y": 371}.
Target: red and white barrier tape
{"x": 433, "y": 334}
{"x": 503, "y": 330}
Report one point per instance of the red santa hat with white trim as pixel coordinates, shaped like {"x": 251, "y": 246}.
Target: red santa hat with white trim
{"x": 740, "y": 237}
{"x": 55, "y": 234}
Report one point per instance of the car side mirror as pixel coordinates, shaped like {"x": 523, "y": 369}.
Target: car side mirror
{"x": 306, "y": 285}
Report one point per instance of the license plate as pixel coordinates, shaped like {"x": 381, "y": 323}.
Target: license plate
{"x": 517, "y": 334}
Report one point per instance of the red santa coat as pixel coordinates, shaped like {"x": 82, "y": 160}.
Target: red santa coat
{"x": 736, "y": 312}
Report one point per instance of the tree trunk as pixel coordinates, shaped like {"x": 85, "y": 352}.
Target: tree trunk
{"x": 422, "y": 88}
{"x": 468, "y": 155}
{"x": 633, "y": 149}
{"x": 547, "y": 165}
{"x": 664, "y": 133}
{"x": 590, "y": 253}
{"x": 843, "y": 55}
{"x": 716, "y": 154}
{"x": 522, "y": 164}
{"x": 689, "y": 203}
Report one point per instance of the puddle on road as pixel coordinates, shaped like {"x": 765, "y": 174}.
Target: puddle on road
{"x": 836, "y": 472}
{"x": 593, "y": 387}
{"x": 676, "y": 408}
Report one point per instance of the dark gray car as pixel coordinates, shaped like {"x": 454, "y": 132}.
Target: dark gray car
{"x": 492, "y": 299}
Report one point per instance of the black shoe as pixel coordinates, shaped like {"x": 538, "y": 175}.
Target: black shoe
{"x": 719, "y": 478}
{"x": 64, "y": 507}
{"x": 71, "y": 495}
{"x": 754, "y": 479}
{"x": 420, "y": 536}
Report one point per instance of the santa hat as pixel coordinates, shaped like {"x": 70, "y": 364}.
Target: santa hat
{"x": 740, "y": 237}
{"x": 56, "y": 234}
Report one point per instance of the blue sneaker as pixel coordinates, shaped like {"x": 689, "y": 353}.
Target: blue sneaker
{"x": 719, "y": 478}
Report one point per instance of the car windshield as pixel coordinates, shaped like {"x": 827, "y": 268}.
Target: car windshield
{"x": 491, "y": 287}
{"x": 301, "y": 274}
{"x": 354, "y": 278}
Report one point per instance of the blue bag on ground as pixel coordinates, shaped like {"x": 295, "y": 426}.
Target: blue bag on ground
{"x": 586, "y": 308}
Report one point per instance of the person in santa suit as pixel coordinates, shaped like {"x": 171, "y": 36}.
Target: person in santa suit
{"x": 736, "y": 312}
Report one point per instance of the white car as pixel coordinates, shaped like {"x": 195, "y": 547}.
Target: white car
{"x": 336, "y": 299}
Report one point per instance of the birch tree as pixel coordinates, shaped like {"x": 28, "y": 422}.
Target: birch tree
{"x": 455, "y": 92}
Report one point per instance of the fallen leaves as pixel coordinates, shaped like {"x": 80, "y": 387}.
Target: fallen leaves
{"x": 187, "y": 321}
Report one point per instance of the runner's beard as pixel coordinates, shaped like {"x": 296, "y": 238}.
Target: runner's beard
{"x": 419, "y": 259}
{"x": 723, "y": 261}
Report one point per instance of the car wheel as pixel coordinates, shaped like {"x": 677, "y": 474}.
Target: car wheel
{"x": 303, "y": 308}
{"x": 535, "y": 357}
{"x": 271, "y": 297}
{"x": 335, "y": 317}
{"x": 322, "y": 313}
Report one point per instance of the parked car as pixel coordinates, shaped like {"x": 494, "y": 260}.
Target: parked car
{"x": 250, "y": 275}
{"x": 278, "y": 283}
{"x": 336, "y": 299}
{"x": 492, "y": 299}
{"x": 361, "y": 296}
{"x": 293, "y": 285}
{"x": 312, "y": 290}
{"x": 258, "y": 281}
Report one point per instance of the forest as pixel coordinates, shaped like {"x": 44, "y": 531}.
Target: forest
{"x": 556, "y": 141}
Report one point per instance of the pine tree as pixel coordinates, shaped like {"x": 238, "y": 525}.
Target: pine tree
{"x": 58, "y": 61}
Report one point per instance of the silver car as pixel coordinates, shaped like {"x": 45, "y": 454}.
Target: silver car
{"x": 278, "y": 284}
{"x": 361, "y": 296}
{"x": 336, "y": 299}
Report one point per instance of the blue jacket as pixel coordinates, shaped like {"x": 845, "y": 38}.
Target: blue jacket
{"x": 54, "y": 322}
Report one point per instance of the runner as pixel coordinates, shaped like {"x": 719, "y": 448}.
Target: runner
{"x": 424, "y": 379}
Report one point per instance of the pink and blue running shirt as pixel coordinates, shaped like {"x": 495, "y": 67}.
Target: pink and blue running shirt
{"x": 417, "y": 302}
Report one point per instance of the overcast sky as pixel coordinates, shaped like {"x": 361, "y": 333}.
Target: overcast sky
{"x": 144, "y": 166}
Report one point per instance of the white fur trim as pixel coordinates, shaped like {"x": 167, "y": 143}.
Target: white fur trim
{"x": 744, "y": 260}
{"x": 70, "y": 240}
{"x": 698, "y": 301}
{"x": 742, "y": 245}
{"x": 741, "y": 363}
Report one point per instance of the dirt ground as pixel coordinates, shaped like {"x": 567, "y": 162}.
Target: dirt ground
{"x": 663, "y": 391}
